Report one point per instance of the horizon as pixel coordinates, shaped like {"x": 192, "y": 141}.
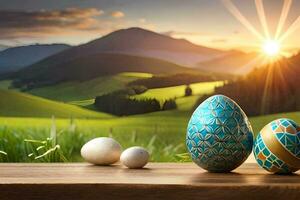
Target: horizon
{"x": 200, "y": 22}
{"x": 32, "y": 44}
{"x": 73, "y": 45}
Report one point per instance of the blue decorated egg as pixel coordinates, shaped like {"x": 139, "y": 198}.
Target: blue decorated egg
{"x": 219, "y": 135}
{"x": 277, "y": 146}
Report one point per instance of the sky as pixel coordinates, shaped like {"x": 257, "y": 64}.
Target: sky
{"x": 204, "y": 22}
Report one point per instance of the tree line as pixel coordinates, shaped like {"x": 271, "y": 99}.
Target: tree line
{"x": 122, "y": 103}
{"x": 273, "y": 88}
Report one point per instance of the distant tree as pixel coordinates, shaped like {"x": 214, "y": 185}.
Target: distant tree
{"x": 188, "y": 91}
{"x": 122, "y": 105}
{"x": 169, "y": 104}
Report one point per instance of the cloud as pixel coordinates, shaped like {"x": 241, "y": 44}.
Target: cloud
{"x": 15, "y": 23}
{"x": 64, "y": 18}
{"x": 117, "y": 14}
{"x": 71, "y": 25}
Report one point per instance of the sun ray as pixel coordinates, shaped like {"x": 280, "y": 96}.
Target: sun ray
{"x": 262, "y": 17}
{"x": 270, "y": 44}
{"x": 248, "y": 66}
{"x": 291, "y": 29}
{"x": 264, "y": 61}
{"x": 284, "y": 14}
{"x": 266, "y": 91}
{"x": 239, "y": 16}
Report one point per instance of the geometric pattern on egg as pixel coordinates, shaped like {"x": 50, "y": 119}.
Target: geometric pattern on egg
{"x": 277, "y": 146}
{"x": 219, "y": 136}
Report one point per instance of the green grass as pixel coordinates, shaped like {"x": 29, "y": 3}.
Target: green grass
{"x": 151, "y": 132}
{"x": 162, "y": 134}
{"x": 178, "y": 91}
{"x": 24, "y": 105}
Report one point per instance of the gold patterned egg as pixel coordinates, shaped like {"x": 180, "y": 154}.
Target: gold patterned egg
{"x": 277, "y": 146}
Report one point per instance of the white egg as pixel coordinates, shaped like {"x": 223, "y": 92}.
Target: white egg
{"x": 135, "y": 157}
{"x": 101, "y": 151}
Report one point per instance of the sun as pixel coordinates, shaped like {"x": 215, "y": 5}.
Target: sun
{"x": 271, "y": 44}
{"x": 271, "y": 48}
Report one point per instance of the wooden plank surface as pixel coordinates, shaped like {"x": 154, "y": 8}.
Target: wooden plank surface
{"x": 157, "y": 181}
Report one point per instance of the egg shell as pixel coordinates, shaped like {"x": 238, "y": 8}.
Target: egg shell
{"x": 135, "y": 157}
{"x": 219, "y": 135}
{"x": 277, "y": 146}
{"x": 101, "y": 151}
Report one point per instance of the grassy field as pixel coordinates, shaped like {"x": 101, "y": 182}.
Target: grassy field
{"x": 163, "y": 134}
{"x": 34, "y": 137}
{"x": 24, "y": 105}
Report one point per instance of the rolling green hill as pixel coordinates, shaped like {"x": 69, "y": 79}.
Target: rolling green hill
{"x": 91, "y": 67}
{"x": 15, "y": 104}
{"x": 83, "y": 90}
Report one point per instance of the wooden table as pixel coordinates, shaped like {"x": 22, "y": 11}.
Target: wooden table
{"x": 157, "y": 181}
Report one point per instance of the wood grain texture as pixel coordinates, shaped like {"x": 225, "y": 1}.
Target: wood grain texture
{"x": 157, "y": 181}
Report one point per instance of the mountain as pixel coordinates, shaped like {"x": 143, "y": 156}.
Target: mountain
{"x": 138, "y": 42}
{"x": 233, "y": 62}
{"x": 141, "y": 42}
{"x": 90, "y": 67}
{"x": 273, "y": 88}
{"x": 125, "y": 50}
{"x": 15, "y": 104}
{"x": 15, "y": 58}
